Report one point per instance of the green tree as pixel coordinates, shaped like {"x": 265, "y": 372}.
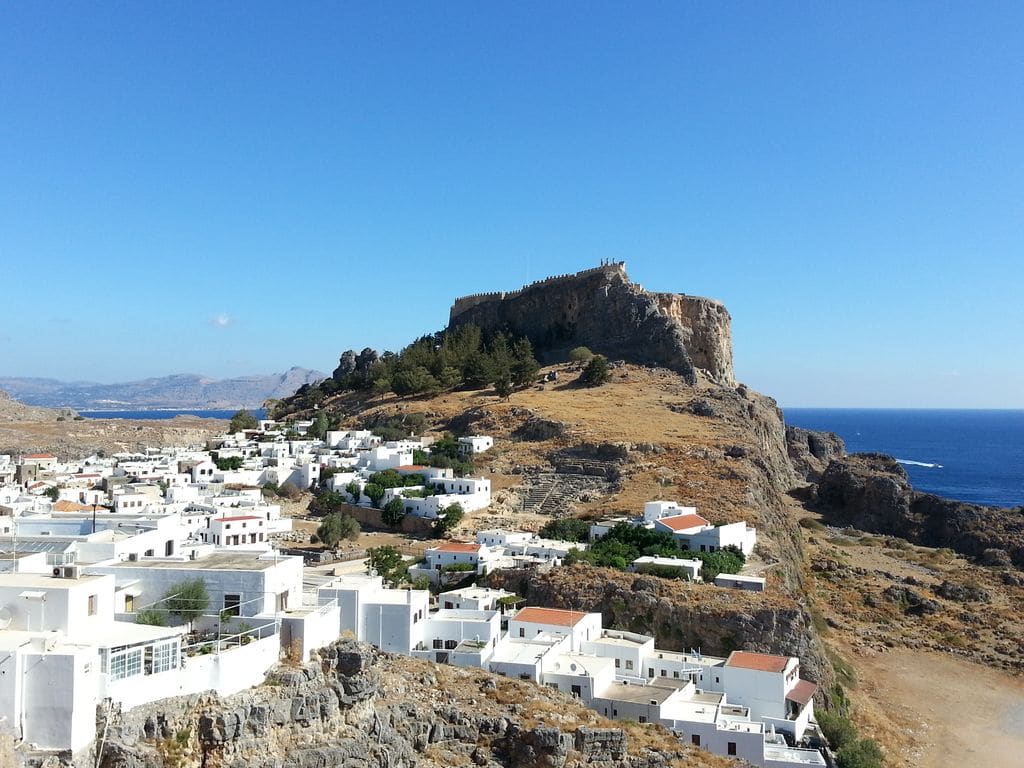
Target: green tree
{"x": 374, "y": 493}
{"x": 478, "y": 370}
{"x": 503, "y": 387}
{"x": 335, "y": 527}
{"x": 325, "y": 503}
{"x": 52, "y": 493}
{"x": 393, "y": 512}
{"x": 318, "y": 429}
{"x": 387, "y": 562}
{"x": 524, "y": 364}
{"x": 567, "y": 529}
{"x": 387, "y": 478}
{"x": 597, "y": 372}
{"x": 187, "y": 599}
{"x": 448, "y": 518}
{"x": 380, "y": 386}
{"x": 354, "y": 491}
{"x": 241, "y": 421}
{"x": 580, "y": 355}
{"x": 228, "y": 463}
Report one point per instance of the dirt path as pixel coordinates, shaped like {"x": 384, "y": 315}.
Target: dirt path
{"x": 955, "y": 713}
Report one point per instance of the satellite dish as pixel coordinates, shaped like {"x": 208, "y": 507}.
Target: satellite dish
{"x": 5, "y": 617}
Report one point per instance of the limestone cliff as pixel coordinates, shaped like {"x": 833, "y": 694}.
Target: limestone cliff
{"x": 602, "y": 309}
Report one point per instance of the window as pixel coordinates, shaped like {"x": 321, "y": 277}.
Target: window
{"x": 438, "y": 643}
{"x": 731, "y": 748}
{"x": 664, "y": 673}
{"x": 629, "y": 663}
{"x": 642, "y": 719}
{"x": 675, "y": 673}
{"x": 522, "y": 632}
{"x": 129, "y": 603}
{"x": 126, "y": 664}
{"x": 695, "y": 740}
{"x": 716, "y": 678}
{"x": 650, "y": 671}
{"x": 232, "y": 605}
{"x": 617, "y": 663}
{"x": 577, "y": 691}
{"x": 92, "y": 605}
{"x": 450, "y": 644}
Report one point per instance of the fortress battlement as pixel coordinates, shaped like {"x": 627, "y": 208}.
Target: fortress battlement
{"x": 464, "y": 303}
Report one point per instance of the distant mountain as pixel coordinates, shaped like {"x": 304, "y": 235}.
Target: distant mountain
{"x": 185, "y": 391}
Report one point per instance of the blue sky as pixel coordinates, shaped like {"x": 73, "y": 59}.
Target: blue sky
{"x": 238, "y": 188}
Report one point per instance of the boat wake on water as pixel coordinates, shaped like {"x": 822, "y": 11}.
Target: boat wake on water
{"x": 918, "y": 464}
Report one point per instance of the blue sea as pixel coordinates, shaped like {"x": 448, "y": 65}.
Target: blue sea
{"x": 970, "y": 455}
{"x": 259, "y": 413}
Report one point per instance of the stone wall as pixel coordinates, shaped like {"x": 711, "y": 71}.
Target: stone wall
{"x": 601, "y": 309}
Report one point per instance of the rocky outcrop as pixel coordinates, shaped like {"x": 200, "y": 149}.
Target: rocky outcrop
{"x": 601, "y": 309}
{"x": 679, "y": 616}
{"x": 871, "y": 492}
{"x": 810, "y": 452}
{"x": 358, "y": 708}
{"x": 12, "y": 410}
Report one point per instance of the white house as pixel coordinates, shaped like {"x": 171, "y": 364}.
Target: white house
{"x": 689, "y": 568}
{"x": 474, "y": 444}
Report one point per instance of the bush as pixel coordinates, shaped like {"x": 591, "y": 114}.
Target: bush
{"x": 567, "y": 529}
{"x": 458, "y": 567}
{"x": 864, "y": 753}
{"x": 580, "y": 355}
{"x": 151, "y": 617}
{"x": 597, "y": 372}
{"x": 839, "y": 731}
{"x": 387, "y": 562}
{"x": 229, "y": 463}
{"x": 289, "y": 491}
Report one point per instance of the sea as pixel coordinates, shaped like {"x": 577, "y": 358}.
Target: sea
{"x": 969, "y": 455}
{"x": 259, "y": 413}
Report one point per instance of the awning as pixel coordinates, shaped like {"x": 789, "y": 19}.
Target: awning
{"x": 802, "y": 692}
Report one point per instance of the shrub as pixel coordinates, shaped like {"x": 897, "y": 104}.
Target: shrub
{"x": 448, "y": 518}
{"x": 458, "y": 567}
{"x": 289, "y": 491}
{"x": 241, "y": 421}
{"x": 839, "y": 731}
{"x": 580, "y": 355}
{"x": 567, "y": 529}
{"x": 864, "y": 753}
{"x": 151, "y": 617}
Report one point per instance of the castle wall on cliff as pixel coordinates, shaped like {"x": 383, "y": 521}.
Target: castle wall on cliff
{"x": 600, "y": 308}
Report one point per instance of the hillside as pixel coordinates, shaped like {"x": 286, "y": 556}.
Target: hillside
{"x": 12, "y": 410}
{"x": 182, "y": 391}
{"x": 840, "y": 599}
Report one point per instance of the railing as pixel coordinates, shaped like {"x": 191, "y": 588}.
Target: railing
{"x": 216, "y": 643}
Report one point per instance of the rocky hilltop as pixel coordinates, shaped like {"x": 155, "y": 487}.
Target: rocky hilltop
{"x": 602, "y": 309}
{"x": 357, "y": 708}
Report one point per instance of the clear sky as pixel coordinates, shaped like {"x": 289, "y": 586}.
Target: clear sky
{"x": 233, "y": 188}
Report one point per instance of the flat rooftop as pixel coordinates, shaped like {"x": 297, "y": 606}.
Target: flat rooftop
{"x": 623, "y": 639}
{"x": 463, "y": 614}
{"x": 44, "y": 581}
{"x": 636, "y": 694}
{"x": 218, "y": 561}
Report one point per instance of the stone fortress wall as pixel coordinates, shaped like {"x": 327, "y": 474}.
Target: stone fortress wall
{"x": 600, "y": 308}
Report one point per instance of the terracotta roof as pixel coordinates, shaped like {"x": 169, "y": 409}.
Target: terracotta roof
{"x": 556, "y": 616}
{"x": 71, "y": 506}
{"x": 459, "y": 546}
{"x": 40, "y": 456}
{"x": 683, "y": 522}
{"x": 763, "y": 662}
{"x": 802, "y": 692}
{"x": 411, "y": 467}
{"x": 235, "y": 519}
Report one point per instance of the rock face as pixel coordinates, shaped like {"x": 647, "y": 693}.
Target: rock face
{"x": 358, "y": 708}
{"x": 871, "y": 492}
{"x": 601, "y": 309}
{"x": 810, "y": 452}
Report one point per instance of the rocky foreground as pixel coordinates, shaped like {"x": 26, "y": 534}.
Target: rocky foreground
{"x": 355, "y": 707}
